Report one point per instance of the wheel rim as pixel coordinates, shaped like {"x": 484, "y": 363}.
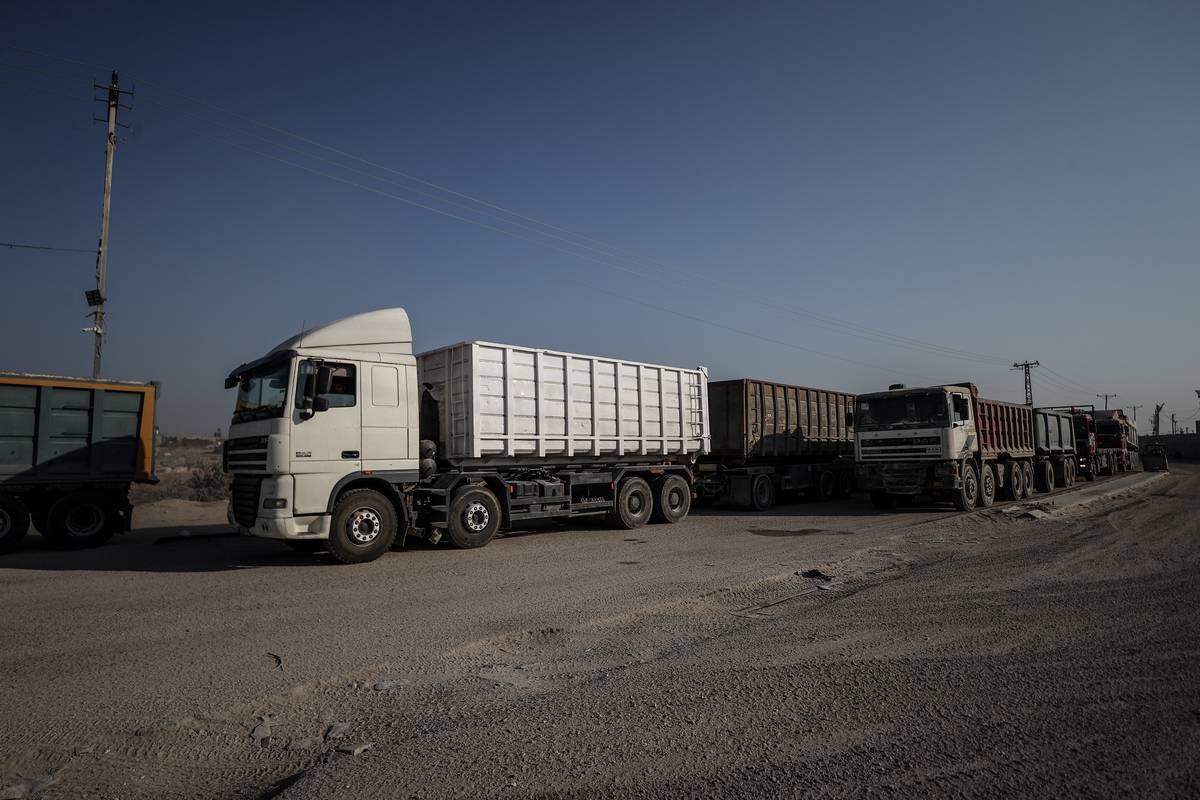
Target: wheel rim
{"x": 84, "y": 520}
{"x": 970, "y": 487}
{"x": 636, "y": 503}
{"x": 763, "y": 490}
{"x": 989, "y": 484}
{"x": 476, "y": 517}
{"x": 364, "y": 526}
{"x": 675, "y": 499}
{"x": 5, "y": 522}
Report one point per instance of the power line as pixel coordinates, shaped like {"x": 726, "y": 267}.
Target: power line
{"x": 19, "y": 245}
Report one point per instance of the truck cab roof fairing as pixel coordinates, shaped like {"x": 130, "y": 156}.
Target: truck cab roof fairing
{"x": 385, "y": 330}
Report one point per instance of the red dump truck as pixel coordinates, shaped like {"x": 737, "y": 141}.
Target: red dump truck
{"x": 948, "y": 443}
{"x": 1106, "y": 442}
{"x": 771, "y": 439}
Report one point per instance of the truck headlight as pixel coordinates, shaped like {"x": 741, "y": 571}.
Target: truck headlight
{"x": 275, "y": 502}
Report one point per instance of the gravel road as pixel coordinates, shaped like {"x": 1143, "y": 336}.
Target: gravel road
{"x": 825, "y": 650}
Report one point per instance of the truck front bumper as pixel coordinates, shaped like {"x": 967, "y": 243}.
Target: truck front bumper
{"x": 313, "y": 526}
{"x": 907, "y": 477}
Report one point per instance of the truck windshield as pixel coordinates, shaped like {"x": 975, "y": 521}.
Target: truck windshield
{"x": 902, "y": 411}
{"x": 262, "y": 392}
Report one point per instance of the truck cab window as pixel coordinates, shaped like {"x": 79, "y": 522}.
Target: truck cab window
{"x": 962, "y": 409}
{"x": 342, "y": 386}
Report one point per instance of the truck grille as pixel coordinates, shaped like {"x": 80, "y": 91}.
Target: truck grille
{"x": 245, "y": 492}
{"x": 247, "y": 454}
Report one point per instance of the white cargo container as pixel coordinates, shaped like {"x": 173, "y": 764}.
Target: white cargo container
{"x": 343, "y": 439}
{"x": 498, "y": 402}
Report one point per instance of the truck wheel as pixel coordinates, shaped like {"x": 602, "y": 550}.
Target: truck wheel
{"x": 672, "y": 499}
{"x": 968, "y": 491}
{"x": 82, "y": 519}
{"x": 363, "y": 526}
{"x": 634, "y": 504}
{"x": 826, "y": 486}
{"x": 14, "y": 523}
{"x": 1045, "y": 477}
{"x": 1060, "y": 474}
{"x": 845, "y": 483}
{"x": 987, "y": 487}
{"x": 1015, "y": 476}
{"x": 1027, "y": 483}
{"x": 762, "y": 493}
{"x": 474, "y": 518}
{"x": 882, "y": 500}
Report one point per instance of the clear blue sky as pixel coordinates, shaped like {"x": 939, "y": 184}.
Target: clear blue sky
{"x": 1014, "y": 180}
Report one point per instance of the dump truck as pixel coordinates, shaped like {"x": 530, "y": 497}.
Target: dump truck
{"x": 948, "y": 443}
{"x": 1093, "y": 455}
{"x": 70, "y": 448}
{"x": 1117, "y": 436}
{"x": 770, "y": 439}
{"x": 342, "y": 439}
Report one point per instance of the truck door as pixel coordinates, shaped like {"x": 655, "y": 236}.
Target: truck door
{"x": 325, "y": 445}
{"x": 388, "y": 418}
{"x": 962, "y": 424}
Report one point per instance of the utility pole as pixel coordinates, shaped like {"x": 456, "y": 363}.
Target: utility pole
{"x": 1172, "y": 424}
{"x": 1135, "y": 408}
{"x": 1027, "y": 365}
{"x": 1106, "y": 396}
{"x": 96, "y": 298}
{"x": 1158, "y": 407}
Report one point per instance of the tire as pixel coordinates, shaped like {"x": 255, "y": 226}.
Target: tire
{"x": 1027, "y": 483}
{"x": 1060, "y": 474}
{"x": 762, "y": 492}
{"x": 363, "y": 526}
{"x": 672, "y": 499}
{"x": 968, "y": 492}
{"x": 826, "y": 486}
{"x": 1069, "y": 471}
{"x": 307, "y": 545}
{"x": 14, "y": 523}
{"x": 82, "y": 519}
{"x": 845, "y": 483}
{"x": 1044, "y": 477}
{"x": 987, "y": 487}
{"x": 634, "y": 504}
{"x": 882, "y": 500}
{"x": 1015, "y": 478}
{"x": 474, "y": 518}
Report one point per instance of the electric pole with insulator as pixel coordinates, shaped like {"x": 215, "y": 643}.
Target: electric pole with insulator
{"x": 1027, "y": 365}
{"x": 1158, "y": 407}
{"x": 1106, "y": 397}
{"x": 1135, "y": 408}
{"x": 96, "y": 297}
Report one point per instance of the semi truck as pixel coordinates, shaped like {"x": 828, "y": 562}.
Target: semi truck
{"x": 1095, "y": 455}
{"x": 948, "y": 443}
{"x": 1117, "y": 434}
{"x": 70, "y": 448}
{"x": 770, "y": 439}
{"x": 342, "y": 439}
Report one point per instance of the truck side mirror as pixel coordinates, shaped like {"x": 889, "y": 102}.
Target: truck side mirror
{"x": 320, "y": 403}
{"x": 324, "y": 381}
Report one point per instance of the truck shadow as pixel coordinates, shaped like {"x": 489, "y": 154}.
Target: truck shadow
{"x": 849, "y": 507}
{"x": 196, "y": 548}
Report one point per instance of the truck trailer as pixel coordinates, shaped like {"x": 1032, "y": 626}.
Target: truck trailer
{"x": 770, "y": 439}
{"x": 341, "y": 438}
{"x": 69, "y": 450}
{"x": 948, "y": 443}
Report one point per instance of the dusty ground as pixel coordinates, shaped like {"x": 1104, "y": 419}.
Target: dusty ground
{"x": 971, "y": 655}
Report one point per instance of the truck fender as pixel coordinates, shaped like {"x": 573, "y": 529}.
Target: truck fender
{"x": 380, "y": 482}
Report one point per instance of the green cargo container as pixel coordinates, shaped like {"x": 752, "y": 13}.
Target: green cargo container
{"x": 69, "y": 450}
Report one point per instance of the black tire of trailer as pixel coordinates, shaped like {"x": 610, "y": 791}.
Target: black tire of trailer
{"x": 1027, "y": 483}
{"x": 762, "y": 492}
{"x": 1044, "y": 477}
{"x": 14, "y": 523}
{"x": 634, "y": 503}
{"x": 826, "y": 485}
{"x": 362, "y": 527}
{"x": 845, "y": 483}
{"x": 967, "y": 495}
{"x": 82, "y": 519}
{"x": 672, "y": 499}
{"x": 882, "y": 500}
{"x": 987, "y": 486}
{"x": 1014, "y": 476}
